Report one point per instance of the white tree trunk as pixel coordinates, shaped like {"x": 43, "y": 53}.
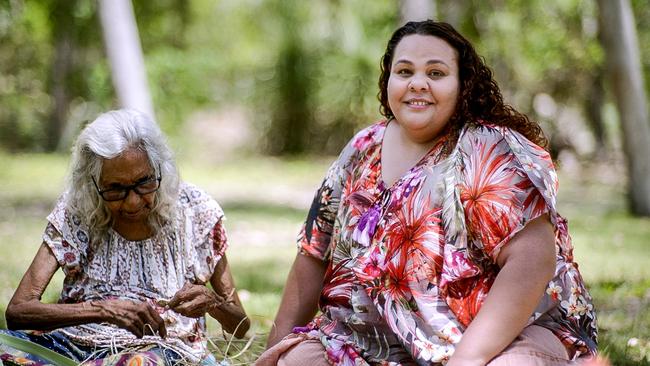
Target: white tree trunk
{"x": 626, "y": 78}
{"x": 417, "y": 10}
{"x": 125, "y": 55}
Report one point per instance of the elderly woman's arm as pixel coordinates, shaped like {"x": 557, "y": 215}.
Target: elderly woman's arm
{"x": 26, "y": 311}
{"x": 222, "y": 302}
{"x": 527, "y": 265}
{"x": 300, "y": 299}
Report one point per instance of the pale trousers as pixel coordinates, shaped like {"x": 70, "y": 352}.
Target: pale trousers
{"x": 535, "y": 346}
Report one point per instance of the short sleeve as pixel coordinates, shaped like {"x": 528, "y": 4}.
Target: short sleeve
{"x": 205, "y": 218}
{"x": 66, "y": 255}
{"x": 66, "y": 237}
{"x": 209, "y": 252}
{"x": 219, "y": 240}
{"x": 315, "y": 238}
{"x": 315, "y": 235}
{"x": 503, "y": 186}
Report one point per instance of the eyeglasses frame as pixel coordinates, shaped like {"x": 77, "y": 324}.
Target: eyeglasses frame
{"x": 128, "y": 188}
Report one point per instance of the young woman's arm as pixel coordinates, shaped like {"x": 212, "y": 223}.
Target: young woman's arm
{"x": 527, "y": 265}
{"x": 300, "y": 298}
{"x": 26, "y": 311}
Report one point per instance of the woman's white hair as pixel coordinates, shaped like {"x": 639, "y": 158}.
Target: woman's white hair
{"x": 108, "y": 136}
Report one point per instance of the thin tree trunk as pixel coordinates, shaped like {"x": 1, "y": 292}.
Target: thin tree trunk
{"x": 416, "y": 10}
{"x": 593, "y": 110}
{"x": 60, "y": 95}
{"x": 626, "y": 77}
{"x": 62, "y": 65}
{"x": 125, "y": 55}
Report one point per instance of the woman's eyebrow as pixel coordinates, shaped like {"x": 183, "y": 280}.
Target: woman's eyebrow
{"x": 137, "y": 180}
{"x": 436, "y": 61}
{"x": 402, "y": 61}
{"x": 430, "y": 62}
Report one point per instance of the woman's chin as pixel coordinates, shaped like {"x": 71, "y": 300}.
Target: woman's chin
{"x": 134, "y": 218}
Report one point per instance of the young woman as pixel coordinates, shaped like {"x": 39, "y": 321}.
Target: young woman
{"x": 434, "y": 237}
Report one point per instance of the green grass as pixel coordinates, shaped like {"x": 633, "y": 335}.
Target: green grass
{"x": 266, "y": 199}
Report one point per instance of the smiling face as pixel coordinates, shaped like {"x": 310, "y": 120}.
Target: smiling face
{"x": 423, "y": 86}
{"x": 131, "y": 167}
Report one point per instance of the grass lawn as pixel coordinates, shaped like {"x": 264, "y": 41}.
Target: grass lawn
{"x": 265, "y": 201}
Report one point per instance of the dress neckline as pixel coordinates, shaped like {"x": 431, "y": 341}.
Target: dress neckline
{"x": 433, "y": 152}
{"x": 114, "y": 233}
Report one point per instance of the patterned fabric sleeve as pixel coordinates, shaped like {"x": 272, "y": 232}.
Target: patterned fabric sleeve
{"x": 315, "y": 237}
{"x": 206, "y": 220}
{"x": 66, "y": 254}
{"x": 504, "y": 184}
{"x": 60, "y": 236}
{"x": 219, "y": 240}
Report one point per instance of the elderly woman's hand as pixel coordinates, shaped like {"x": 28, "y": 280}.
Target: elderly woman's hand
{"x": 138, "y": 318}
{"x": 194, "y": 300}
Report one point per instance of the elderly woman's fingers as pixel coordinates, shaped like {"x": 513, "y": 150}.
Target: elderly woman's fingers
{"x": 136, "y": 327}
{"x": 153, "y": 324}
{"x": 139, "y": 318}
{"x": 158, "y": 325}
{"x": 194, "y": 308}
{"x": 184, "y": 294}
{"x": 195, "y": 301}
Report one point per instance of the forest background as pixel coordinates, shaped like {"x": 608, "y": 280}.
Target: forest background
{"x": 258, "y": 96}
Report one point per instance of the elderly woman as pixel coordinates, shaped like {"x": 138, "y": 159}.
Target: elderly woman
{"x": 138, "y": 249}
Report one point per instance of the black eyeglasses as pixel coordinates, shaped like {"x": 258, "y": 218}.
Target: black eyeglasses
{"x": 119, "y": 193}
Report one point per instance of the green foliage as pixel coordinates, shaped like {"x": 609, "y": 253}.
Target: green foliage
{"x": 539, "y": 46}
{"x": 307, "y": 71}
{"x": 24, "y": 103}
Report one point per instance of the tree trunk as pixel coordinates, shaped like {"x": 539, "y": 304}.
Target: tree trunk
{"x": 59, "y": 84}
{"x": 416, "y": 10}
{"x": 291, "y": 115}
{"x": 125, "y": 55}
{"x": 626, "y": 77}
{"x": 593, "y": 111}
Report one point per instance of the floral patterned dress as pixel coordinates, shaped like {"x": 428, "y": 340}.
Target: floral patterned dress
{"x": 148, "y": 270}
{"x": 409, "y": 266}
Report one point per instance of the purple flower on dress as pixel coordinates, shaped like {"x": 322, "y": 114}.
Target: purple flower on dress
{"x": 457, "y": 266}
{"x": 342, "y": 353}
{"x": 367, "y": 226}
{"x": 301, "y": 329}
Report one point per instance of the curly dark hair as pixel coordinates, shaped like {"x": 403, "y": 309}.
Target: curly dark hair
{"x": 479, "y": 99}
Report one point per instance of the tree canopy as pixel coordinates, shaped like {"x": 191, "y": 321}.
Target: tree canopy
{"x": 305, "y": 72}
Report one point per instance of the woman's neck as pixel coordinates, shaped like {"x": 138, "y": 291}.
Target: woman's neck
{"x": 133, "y": 231}
{"x": 399, "y": 153}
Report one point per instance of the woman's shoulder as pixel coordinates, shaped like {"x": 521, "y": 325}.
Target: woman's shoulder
{"x": 362, "y": 143}
{"x": 194, "y": 198}
{"x": 500, "y": 139}
{"x": 369, "y": 136}
{"x": 504, "y": 149}
{"x": 63, "y": 213}
{"x": 483, "y": 131}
